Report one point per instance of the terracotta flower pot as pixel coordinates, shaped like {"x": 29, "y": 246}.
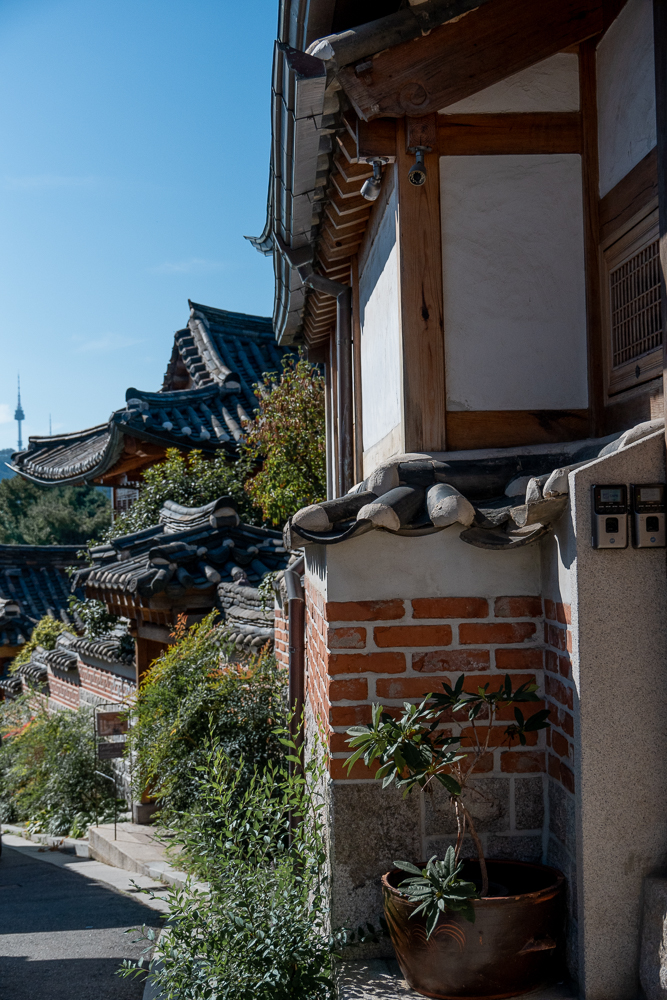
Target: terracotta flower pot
{"x": 512, "y": 947}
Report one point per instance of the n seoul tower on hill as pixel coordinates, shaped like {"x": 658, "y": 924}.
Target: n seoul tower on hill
{"x": 19, "y": 416}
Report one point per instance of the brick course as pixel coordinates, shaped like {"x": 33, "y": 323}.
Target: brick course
{"x": 351, "y": 666}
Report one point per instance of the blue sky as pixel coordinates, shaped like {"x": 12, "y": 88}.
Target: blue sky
{"x": 134, "y": 145}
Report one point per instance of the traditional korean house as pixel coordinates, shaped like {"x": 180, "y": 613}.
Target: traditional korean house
{"x": 33, "y": 583}
{"x": 206, "y": 395}
{"x": 194, "y": 560}
{"x": 467, "y": 211}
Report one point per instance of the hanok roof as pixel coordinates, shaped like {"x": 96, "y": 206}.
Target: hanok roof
{"x": 206, "y": 396}
{"x": 502, "y": 498}
{"x": 216, "y": 343}
{"x": 33, "y": 583}
{"x": 180, "y": 563}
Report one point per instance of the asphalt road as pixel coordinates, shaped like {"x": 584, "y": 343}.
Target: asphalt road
{"x": 63, "y": 935}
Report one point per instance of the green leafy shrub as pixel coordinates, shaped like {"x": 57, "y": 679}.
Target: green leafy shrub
{"x": 45, "y": 633}
{"x": 191, "y": 693}
{"x": 47, "y": 769}
{"x": 287, "y": 435}
{"x": 51, "y": 515}
{"x": 191, "y": 480}
{"x": 258, "y": 930}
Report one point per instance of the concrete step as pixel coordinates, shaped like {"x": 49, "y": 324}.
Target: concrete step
{"x": 136, "y": 848}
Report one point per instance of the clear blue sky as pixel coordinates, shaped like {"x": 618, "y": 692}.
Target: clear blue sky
{"x": 134, "y": 145}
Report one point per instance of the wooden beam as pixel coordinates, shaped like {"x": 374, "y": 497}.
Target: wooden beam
{"x": 637, "y": 191}
{"x": 511, "y": 428}
{"x": 421, "y": 306}
{"x": 660, "y": 54}
{"x": 590, "y": 178}
{"x": 465, "y": 56}
{"x": 489, "y": 134}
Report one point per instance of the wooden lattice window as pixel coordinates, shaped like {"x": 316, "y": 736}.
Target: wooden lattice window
{"x": 633, "y": 306}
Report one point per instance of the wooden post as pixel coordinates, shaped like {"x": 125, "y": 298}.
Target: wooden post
{"x": 147, "y": 651}
{"x": 660, "y": 50}
{"x": 591, "y": 196}
{"x": 421, "y": 306}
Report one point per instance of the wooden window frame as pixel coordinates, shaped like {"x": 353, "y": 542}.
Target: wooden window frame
{"x": 637, "y": 233}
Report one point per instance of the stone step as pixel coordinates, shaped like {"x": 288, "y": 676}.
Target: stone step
{"x": 69, "y": 845}
{"x": 136, "y": 848}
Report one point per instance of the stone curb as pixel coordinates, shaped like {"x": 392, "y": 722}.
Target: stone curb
{"x": 78, "y": 846}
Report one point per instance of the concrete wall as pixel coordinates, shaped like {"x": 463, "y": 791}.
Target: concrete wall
{"x": 551, "y": 85}
{"x": 514, "y": 296}
{"x": 380, "y": 339}
{"x": 619, "y": 627}
{"x": 626, "y": 93}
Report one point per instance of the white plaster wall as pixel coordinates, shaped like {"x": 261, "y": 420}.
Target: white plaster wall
{"x": 380, "y": 333}
{"x": 513, "y": 272}
{"x": 551, "y": 85}
{"x": 380, "y": 565}
{"x": 619, "y": 619}
{"x": 626, "y": 93}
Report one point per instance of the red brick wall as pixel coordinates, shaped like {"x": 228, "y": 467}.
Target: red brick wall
{"x": 104, "y": 683}
{"x": 560, "y": 692}
{"x": 282, "y": 638}
{"x": 391, "y": 651}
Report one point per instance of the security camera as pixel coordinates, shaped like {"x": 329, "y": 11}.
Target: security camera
{"x": 371, "y": 188}
{"x": 417, "y": 173}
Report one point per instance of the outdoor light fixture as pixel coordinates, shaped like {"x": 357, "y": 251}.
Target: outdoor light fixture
{"x": 417, "y": 174}
{"x": 371, "y": 189}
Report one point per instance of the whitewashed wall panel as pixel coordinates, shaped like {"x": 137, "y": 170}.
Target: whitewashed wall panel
{"x": 626, "y": 93}
{"x": 380, "y": 334}
{"x": 550, "y": 85}
{"x": 513, "y": 272}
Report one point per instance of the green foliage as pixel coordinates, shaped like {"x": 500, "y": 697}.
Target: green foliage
{"x": 258, "y": 930}
{"x": 192, "y": 693}
{"x": 96, "y": 619}
{"x": 438, "y": 888}
{"x": 51, "y": 515}
{"x": 287, "y": 434}
{"x": 47, "y": 769}
{"x": 191, "y": 480}
{"x": 45, "y": 633}
{"x": 414, "y": 750}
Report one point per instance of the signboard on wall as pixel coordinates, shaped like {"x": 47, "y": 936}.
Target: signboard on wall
{"x": 112, "y": 723}
{"x": 108, "y": 751}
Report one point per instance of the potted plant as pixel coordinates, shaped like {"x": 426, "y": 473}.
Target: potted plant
{"x": 462, "y": 927}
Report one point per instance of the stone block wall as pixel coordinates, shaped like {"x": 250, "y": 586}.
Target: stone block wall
{"x": 396, "y": 650}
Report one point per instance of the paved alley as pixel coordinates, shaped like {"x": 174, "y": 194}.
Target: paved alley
{"x": 63, "y": 927}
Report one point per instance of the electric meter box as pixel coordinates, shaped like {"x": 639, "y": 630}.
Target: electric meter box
{"x": 610, "y": 516}
{"x": 648, "y": 515}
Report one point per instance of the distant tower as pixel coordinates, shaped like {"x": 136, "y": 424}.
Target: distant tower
{"x": 19, "y": 416}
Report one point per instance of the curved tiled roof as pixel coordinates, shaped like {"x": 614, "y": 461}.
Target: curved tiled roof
{"x": 194, "y": 550}
{"x": 501, "y": 498}
{"x": 217, "y": 343}
{"x": 34, "y": 579}
{"x": 224, "y": 355}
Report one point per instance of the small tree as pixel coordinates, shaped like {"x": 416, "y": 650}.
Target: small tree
{"x": 287, "y": 435}
{"x": 191, "y": 480}
{"x": 51, "y": 515}
{"x": 414, "y": 750}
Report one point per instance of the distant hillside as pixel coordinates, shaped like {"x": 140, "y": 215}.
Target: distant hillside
{"x": 5, "y": 456}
